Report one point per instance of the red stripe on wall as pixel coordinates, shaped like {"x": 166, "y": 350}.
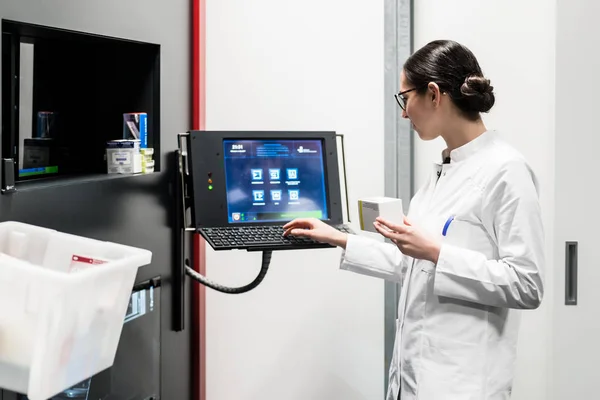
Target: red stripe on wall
{"x": 199, "y": 255}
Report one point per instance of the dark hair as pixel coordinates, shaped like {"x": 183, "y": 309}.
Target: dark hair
{"x": 456, "y": 71}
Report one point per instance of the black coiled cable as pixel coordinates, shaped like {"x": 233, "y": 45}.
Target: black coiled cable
{"x": 266, "y": 260}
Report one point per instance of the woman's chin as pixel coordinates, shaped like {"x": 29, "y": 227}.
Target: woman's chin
{"x": 425, "y": 136}
{"x": 421, "y": 135}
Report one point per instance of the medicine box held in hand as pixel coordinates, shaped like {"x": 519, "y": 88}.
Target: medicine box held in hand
{"x": 387, "y": 208}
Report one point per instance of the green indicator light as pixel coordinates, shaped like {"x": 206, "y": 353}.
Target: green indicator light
{"x": 210, "y": 187}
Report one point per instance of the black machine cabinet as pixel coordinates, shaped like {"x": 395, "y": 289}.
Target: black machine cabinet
{"x": 154, "y": 361}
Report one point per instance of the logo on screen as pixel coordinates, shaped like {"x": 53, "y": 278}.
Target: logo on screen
{"x": 302, "y": 150}
{"x": 236, "y": 216}
{"x": 259, "y": 195}
{"x": 256, "y": 174}
{"x": 274, "y": 174}
{"x": 292, "y": 173}
{"x": 294, "y": 194}
{"x": 276, "y": 195}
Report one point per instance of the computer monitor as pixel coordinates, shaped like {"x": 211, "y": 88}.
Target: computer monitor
{"x": 263, "y": 178}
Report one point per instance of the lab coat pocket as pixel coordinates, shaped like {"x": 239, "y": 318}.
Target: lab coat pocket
{"x": 467, "y": 232}
{"x": 450, "y": 369}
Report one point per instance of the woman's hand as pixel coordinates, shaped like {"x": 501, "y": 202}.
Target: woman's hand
{"x": 317, "y": 230}
{"x": 410, "y": 240}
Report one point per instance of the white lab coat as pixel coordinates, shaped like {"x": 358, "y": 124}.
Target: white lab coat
{"x": 457, "y": 326}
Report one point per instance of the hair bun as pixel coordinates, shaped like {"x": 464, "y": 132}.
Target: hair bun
{"x": 478, "y": 92}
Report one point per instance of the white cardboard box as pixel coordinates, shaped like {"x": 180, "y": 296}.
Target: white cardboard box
{"x": 123, "y": 157}
{"x": 388, "y": 208}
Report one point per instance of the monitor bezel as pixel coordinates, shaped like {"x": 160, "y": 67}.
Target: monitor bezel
{"x": 206, "y": 161}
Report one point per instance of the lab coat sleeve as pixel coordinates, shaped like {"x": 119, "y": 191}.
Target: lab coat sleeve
{"x": 369, "y": 257}
{"x": 512, "y": 216}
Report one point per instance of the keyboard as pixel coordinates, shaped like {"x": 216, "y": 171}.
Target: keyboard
{"x": 260, "y": 238}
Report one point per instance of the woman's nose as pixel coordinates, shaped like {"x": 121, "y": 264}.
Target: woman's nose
{"x": 404, "y": 114}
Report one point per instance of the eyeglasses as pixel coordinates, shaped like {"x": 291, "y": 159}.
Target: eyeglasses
{"x": 400, "y": 98}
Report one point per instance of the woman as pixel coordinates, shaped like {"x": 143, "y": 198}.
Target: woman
{"x": 469, "y": 252}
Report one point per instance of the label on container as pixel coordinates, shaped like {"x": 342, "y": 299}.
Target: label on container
{"x": 121, "y": 158}
{"x": 79, "y": 263}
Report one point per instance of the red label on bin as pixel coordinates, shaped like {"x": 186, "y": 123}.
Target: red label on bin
{"x": 81, "y": 262}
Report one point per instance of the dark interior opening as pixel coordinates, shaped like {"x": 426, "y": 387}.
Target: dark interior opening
{"x": 64, "y": 96}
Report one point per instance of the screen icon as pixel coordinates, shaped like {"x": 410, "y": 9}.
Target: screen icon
{"x": 304, "y": 150}
{"x": 259, "y": 195}
{"x": 236, "y": 216}
{"x": 276, "y": 195}
{"x": 292, "y": 173}
{"x": 294, "y": 194}
{"x": 256, "y": 174}
{"x": 274, "y": 174}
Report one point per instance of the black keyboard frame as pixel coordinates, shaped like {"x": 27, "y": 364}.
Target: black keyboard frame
{"x": 244, "y": 238}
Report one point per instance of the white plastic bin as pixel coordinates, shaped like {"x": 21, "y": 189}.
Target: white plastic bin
{"x": 63, "y": 299}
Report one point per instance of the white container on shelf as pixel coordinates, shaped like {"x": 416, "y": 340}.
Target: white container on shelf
{"x": 63, "y": 299}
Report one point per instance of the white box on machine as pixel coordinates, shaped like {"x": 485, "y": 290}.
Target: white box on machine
{"x": 123, "y": 157}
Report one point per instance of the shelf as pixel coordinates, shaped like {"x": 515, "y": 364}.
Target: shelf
{"x": 75, "y": 180}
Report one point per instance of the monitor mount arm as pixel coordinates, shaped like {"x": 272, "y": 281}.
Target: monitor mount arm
{"x": 184, "y": 202}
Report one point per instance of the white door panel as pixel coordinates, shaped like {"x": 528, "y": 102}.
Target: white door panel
{"x": 576, "y": 327}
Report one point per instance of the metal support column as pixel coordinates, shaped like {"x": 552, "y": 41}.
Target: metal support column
{"x": 399, "y": 145}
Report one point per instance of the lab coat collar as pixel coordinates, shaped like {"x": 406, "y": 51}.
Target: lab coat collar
{"x": 470, "y": 148}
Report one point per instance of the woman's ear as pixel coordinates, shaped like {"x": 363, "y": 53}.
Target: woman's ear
{"x": 434, "y": 92}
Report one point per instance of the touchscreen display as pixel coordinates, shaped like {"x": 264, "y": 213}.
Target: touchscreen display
{"x": 274, "y": 180}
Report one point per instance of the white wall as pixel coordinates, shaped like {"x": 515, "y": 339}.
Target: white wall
{"x": 309, "y": 331}
{"x": 515, "y": 44}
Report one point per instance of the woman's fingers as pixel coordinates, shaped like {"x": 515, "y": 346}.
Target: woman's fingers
{"x": 298, "y": 227}
{"x": 384, "y": 231}
{"x": 297, "y": 223}
{"x": 296, "y": 230}
{"x": 394, "y": 227}
{"x": 309, "y": 233}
